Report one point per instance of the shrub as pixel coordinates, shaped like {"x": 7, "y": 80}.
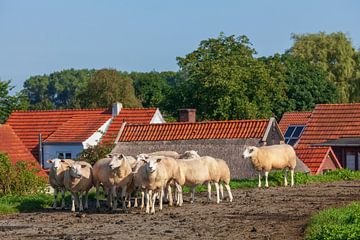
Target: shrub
{"x": 335, "y": 223}
{"x": 19, "y": 179}
{"x": 94, "y": 153}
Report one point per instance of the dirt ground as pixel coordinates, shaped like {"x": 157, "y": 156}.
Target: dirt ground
{"x": 274, "y": 213}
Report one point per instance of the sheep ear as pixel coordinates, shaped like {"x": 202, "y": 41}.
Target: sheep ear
{"x": 50, "y": 161}
{"x": 144, "y": 160}
{"x": 158, "y": 160}
{"x": 122, "y": 156}
{"x": 83, "y": 165}
{"x": 62, "y": 160}
{"x": 109, "y": 155}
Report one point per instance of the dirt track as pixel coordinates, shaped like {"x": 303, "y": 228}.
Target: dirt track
{"x": 275, "y": 213}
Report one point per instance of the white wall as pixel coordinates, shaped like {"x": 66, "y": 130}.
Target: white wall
{"x": 95, "y": 138}
{"x": 157, "y": 118}
{"x": 50, "y": 151}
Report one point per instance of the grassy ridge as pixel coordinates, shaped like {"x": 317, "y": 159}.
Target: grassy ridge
{"x": 12, "y": 204}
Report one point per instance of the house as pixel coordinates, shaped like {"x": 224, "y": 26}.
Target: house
{"x": 335, "y": 126}
{"x": 11, "y": 144}
{"x": 318, "y": 159}
{"x": 66, "y": 133}
{"x": 221, "y": 139}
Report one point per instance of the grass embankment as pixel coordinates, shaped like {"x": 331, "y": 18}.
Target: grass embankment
{"x": 336, "y": 224}
{"x": 13, "y": 204}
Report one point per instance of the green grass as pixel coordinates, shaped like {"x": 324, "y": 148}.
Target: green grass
{"x": 335, "y": 224}
{"x": 14, "y": 204}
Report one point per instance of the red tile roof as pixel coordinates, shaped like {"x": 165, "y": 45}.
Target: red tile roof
{"x": 313, "y": 157}
{"x": 79, "y": 128}
{"x": 129, "y": 115}
{"x": 293, "y": 118}
{"x": 331, "y": 121}
{"x": 199, "y": 130}
{"x": 11, "y": 144}
{"x": 28, "y": 124}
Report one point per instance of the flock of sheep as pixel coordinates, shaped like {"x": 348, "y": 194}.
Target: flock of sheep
{"x": 154, "y": 175}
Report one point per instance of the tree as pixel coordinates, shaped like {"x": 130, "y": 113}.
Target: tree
{"x": 106, "y": 87}
{"x": 10, "y": 103}
{"x": 305, "y": 83}
{"x": 224, "y": 81}
{"x": 58, "y": 90}
{"x": 333, "y": 53}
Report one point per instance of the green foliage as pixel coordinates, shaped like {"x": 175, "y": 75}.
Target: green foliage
{"x": 108, "y": 86}
{"x": 9, "y": 103}
{"x": 224, "y": 81}
{"x": 336, "y": 224}
{"x": 20, "y": 179}
{"x": 94, "y": 153}
{"x": 331, "y": 52}
{"x": 58, "y": 90}
{"x": 305, "y": 84}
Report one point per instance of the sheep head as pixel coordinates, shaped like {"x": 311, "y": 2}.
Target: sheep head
{"x": 152, "y": 164}
{"x": 76, "y": 170}
{"x": 55, "y": 163}
{"x": 191, "y": 154}
{"x": 116, "y": 160}
{"x": 249, "y": 152}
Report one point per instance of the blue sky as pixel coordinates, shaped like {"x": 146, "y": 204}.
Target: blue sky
{"x": 40, "y": 37}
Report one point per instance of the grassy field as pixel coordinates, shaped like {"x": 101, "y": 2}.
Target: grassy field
{"x": 13, "y": 204}
{"x": 336, "y": 224}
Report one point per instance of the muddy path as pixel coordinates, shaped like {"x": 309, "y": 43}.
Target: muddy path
{"x": 275, "y": 213}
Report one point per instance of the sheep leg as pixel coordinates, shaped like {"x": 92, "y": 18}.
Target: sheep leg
{"x": 97, "y": 196}
{"x": 292, "y": 177}
{"x": 62, "y": 198}
{"x": 209, "y": 191}
{"x": 123, "y": 197}
{"x": 161, "y": 198}
{"x": 285, "y": 177}
{"x": 266, "y": 179}
{"x": 80, "y": 201}
{"x": 259, "y": 180}
{"x": 227, "y": 186}
{"x": 148, "y": 196}
{"x": 155, "y": 195}
{"x": 221, "y": 191}
{"x": 129, "y": 198}
{"x": 109, "y": 198}
{"x": 217, "y": 192}
{"x": 142, "y": 199}
{"x": 55, "y": 198}
{"x": 86, "y": 201}
{"x": 179, "y": 195}
{"x": 192, "y": 189}
{"x": 114, "y": 197}
{"x": 170, "y": 197}
{"x": 73, "y": 202}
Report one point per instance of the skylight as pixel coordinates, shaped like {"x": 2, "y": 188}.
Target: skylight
{"x": 293, "y": 133}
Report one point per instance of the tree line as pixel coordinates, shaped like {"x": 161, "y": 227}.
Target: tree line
{"x": 223, "y": 79}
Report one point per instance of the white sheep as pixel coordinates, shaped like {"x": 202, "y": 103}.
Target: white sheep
{"x": 267, "y": 158}
{"x": 78, "y": 180}
{"x": 113, "y": 172}
{"x": 56, "y": 178}
{"x": 189, "y": 154}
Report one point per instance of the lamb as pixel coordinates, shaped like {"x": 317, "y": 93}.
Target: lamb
{"x": 113, "y": 171}
{"x": 157, "y": 172}
{"x": 78, "y": 180}
{"x": 267, "y": 158}
{"x": 56, "y": 178}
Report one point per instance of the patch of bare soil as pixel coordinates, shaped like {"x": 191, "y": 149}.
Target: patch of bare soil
{"x": 274, "y": 213}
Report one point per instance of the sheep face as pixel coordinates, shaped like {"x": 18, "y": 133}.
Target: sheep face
{"x": 55, "y": 163}
{"x": 116, "y": 160}
{"x": 151, "y": 164}
{"x": 142, "y": 157}
{"x": 76, "y": 170}
{"x": 249, "y": 152}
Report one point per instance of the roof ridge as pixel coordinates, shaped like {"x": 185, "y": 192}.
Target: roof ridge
{"x": 140, "y": 108}
{"x": 204, "y": 122}
{"x": 337, "y": 104}
{"x": 64, "y": 110}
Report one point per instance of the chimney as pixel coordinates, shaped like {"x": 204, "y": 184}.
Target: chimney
{"x": 116, "y": 108}
{"x": 187, "y": 115}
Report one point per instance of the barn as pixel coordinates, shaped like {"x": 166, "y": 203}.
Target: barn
{"x": 221, "y": 139}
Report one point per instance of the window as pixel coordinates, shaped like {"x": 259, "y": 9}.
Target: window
{"x": 293, "y": 133}
{"x": 64, "y": 155}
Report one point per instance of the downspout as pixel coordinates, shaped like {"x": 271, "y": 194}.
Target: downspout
{"x": 41, "y": 160}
